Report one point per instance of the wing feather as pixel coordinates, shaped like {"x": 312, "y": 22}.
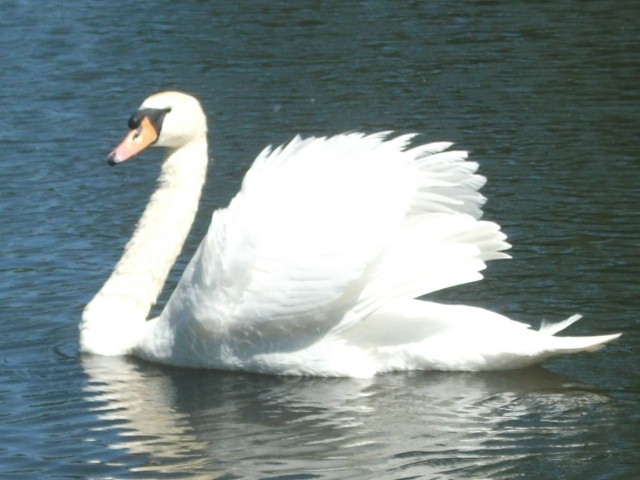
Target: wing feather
{"x": 326, "y": 230}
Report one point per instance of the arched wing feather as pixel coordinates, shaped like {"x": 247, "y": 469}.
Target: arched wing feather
{"x": 324, "y": 231}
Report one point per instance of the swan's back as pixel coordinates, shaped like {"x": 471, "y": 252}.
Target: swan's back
{"x": 323, "y": 232}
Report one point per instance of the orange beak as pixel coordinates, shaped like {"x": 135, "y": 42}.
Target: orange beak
{"x": 136, "y": 140}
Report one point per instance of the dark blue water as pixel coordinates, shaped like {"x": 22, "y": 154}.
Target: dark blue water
{"x": 545, "y": 95}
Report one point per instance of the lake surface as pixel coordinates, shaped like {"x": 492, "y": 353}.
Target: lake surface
{"x": 545, "y": 95}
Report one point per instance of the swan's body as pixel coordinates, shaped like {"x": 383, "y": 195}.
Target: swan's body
{"x": 315, "y": 265}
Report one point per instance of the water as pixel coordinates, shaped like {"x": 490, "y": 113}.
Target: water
{"x": 546, "y": 97}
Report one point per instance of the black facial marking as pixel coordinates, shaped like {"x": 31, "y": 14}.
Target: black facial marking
{"x": 155, "y": 116}
{"x": 136, "y": 119}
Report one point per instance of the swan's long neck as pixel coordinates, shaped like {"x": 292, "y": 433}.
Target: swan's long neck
{"x": 113, "y": 320}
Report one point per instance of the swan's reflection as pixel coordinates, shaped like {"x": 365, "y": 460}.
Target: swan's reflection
{"x": 138, "y": 405}
{"x": 190, "y": 421}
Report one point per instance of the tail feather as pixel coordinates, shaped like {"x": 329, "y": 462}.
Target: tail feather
{"x": 552, "y": 328}
{"x": 574, "y": 344}
{"x": 582, "y": 344}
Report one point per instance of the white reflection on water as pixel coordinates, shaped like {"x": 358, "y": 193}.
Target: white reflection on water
{"x": 422, "y": 424}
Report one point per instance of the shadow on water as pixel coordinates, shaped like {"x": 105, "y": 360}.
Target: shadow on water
{"x": 425, "y": 424}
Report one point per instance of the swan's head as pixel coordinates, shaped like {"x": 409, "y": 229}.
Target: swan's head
{"x": 165, "y": 119}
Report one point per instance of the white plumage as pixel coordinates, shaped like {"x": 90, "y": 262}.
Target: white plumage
{"x": 314, "y": 267}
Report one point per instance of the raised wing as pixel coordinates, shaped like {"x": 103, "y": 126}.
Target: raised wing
{"x": 323, "y": 232}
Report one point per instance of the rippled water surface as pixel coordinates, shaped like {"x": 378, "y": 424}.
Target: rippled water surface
{"x": 546, "y": 97}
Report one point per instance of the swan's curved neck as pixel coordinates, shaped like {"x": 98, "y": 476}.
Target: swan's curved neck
{"x": 112, "y": 318}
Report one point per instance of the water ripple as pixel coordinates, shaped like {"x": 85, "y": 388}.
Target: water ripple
{"x": 545, "y": 96}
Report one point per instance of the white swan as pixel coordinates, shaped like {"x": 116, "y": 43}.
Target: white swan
{"x": 314, "y": 267}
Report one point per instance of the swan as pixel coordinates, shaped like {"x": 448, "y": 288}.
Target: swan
{"x": 315, "y": 266}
